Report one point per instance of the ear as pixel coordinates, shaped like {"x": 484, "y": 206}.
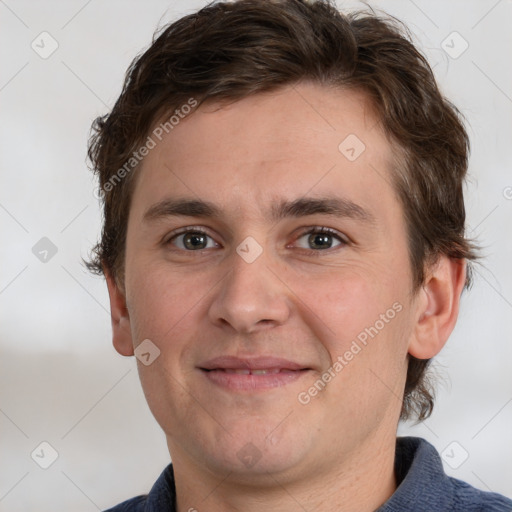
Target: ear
{"x": 438, "y": 307}
{"x": 121, "y": 329}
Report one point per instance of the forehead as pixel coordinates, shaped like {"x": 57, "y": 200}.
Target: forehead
{"x": 300, "y": 140}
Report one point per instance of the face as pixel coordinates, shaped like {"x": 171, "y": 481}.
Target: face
{"x": 267, "y": 260}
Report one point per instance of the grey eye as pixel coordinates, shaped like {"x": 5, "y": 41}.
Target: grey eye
{"x": 193, "y": 241}
{"x": 319, "y": 240}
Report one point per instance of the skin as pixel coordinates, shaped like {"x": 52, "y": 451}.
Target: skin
{"x": 294, "y": 301}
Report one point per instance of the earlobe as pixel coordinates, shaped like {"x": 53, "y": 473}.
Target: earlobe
{"x": 438, "y": 307}
{"x": 121, "y": 329}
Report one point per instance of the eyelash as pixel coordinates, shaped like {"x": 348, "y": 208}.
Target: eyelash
{"x": 323, "y": 230}
{"x": 307, "y": 231}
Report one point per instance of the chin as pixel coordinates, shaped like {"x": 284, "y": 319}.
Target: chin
{"x": 250, "y": 452}
{"x": 256, "y": 468}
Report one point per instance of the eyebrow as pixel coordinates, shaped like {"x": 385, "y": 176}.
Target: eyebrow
{"x": 335, "y": 206}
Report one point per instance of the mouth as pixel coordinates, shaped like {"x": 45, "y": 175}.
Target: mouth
{"x": 246, "y": 371}
{"x": 252, "y": 374}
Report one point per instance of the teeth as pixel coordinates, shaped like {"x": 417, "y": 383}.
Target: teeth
{"x": 247, "y": 371}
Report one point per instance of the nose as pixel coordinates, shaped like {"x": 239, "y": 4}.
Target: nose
{"x": 250, "y": 298}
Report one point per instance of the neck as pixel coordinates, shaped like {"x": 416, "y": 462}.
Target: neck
{"x": 362, "y": 482}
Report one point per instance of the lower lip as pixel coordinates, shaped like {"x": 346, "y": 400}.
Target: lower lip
{"x": 241, "y": 382}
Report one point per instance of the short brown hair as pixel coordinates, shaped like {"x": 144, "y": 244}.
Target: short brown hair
{"x": 228, "y": 51}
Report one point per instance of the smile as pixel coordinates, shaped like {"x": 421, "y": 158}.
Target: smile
{"x": 246, "y": 371}
{"x": 252, "y": 374}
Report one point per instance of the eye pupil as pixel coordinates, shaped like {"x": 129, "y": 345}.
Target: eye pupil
{"x": 320, "y": 240}
{"x": 194, "y": 241}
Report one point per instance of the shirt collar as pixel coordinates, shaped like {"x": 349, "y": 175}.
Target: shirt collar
{"x": 422, "y": 482}
{"x": 163, "y": 493}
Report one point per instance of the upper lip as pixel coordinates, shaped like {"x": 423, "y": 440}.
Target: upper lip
{"x": 251, "y": 363}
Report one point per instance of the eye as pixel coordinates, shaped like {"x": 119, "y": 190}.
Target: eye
{"x": 320, "y": 239}
{"x": 192, "y": 240}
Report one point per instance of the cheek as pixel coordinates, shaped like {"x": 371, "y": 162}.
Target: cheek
{"x": 164, "y": 309}
{"x": 363, "y": 324}
{"x": 161, "y": 300}
{"x": 346, "y": 301}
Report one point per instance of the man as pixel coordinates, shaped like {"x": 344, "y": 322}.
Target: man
{"x": 284, "y": 250}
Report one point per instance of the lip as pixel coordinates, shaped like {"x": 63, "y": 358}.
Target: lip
{"x": 236, "y": 374}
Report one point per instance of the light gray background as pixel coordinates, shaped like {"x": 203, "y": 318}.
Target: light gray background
{"x": 62, "y": 382}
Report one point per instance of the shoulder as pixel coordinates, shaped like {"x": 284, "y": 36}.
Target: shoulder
{"x": 469, "y": 499}
{"x": 136, "y": 504}
{"x": 463, "y": 497}
{"x": 423, "y": 485}
{"x": 162, "y": 496}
